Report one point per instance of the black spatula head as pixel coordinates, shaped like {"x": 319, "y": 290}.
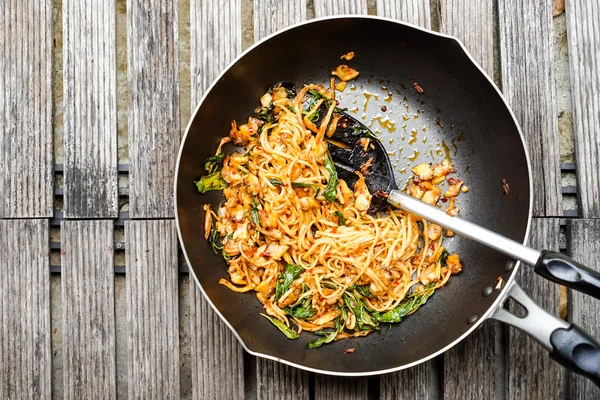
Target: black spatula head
{"x": 350, "y": 153}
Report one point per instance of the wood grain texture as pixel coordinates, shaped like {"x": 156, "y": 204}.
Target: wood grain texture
{"x": 88, "y": 305}
{"x": 25, "y": 370}
{"x": 584, "y": 243}
{"x": 583, "y": 33}
{"x": 276, "y": 381}
{"x": 153, "y": 69}
{"x": 273, "y": 15}
{"x": 335, "y": 7}
{"x": 418, "y": 382}
{"x": 472, "y": 23}
{"x": 217, "y": 357}
{"x": 152, "y": 309}
{"x": 526, "y": 51}
{"x": 90, "y": 113}
{"x": 531, "y": 373}
{"x": 26, "y": 181}
{"x": 215, "y": 40}
{"x": 338, "y": 388}
{"x": 474, "y": 357}
{"x": 415, "y": 12}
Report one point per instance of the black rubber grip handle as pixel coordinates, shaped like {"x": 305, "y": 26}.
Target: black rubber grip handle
{"x": 577, "y": 351}
{"x": 566, "y": 271}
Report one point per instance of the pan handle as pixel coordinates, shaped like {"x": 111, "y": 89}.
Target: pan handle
{"x": 562, "y": 269}
{"x": 568, "y": 344}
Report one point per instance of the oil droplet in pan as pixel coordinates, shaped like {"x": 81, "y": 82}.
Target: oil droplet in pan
{"x": 446, "y": 150}
{"x": 414, "y": 156}
{"x": 413, "y": 136}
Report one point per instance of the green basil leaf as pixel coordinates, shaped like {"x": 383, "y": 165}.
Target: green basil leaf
{"x": 364, "y": 291}
{"x": 214, "y": 163}
{"x": 443, "y": 257}
{"x": 341, "y": 220}
{"x": 291, "y": 273}
{"x": 276, "y": 182}
{"x": 409, "y": 305}
{"x": 289, "y": 333}
{"x": 214, "y": 239}
{"x": 254, "y": 212}
{"x": 301, "y": 312}
{"x": 330, "y": 192}
{"x": 364, "y": 320}
{"x": 210, "y": 182}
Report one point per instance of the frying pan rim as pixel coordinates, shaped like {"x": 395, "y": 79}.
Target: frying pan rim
{"x": 503, "y": 293}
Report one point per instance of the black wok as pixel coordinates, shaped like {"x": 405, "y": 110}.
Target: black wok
{"x": 460, "y": 114}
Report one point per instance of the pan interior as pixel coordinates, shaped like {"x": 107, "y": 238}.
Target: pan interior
{"x": 459, "y": 115}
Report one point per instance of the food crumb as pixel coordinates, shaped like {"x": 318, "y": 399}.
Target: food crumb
{"x": 349, "y": 351}
{"x": 464, "y": 189}
{"x": 499, "y": 284}
{"x": 348, "y": 56}
{"x": 383, "y": 108}
{"x": 418, "y": 88}
{"x": 505, "y": 186}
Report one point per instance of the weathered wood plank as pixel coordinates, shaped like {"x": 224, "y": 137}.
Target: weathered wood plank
{"x": 475, "y": 356}
{"x": 25, "y": 371}
{"x": 152, "y": 309}
{"x": 531, "y": 372}
{"x": 90, "y": 114}
{"x": 88, "y": 303}
{"x": 415, "y": 12}
{"x": 335, "y": 7}
{"x": 276, "y": 381}
{"x": 26, "y": 182}
{"x": 472, "y": 23}
{"x": 583, "y": 33}
{"x": 273, "y": 15}
{"x": 217, "y": 357}
{"x": 337, "y": 388}
{"x": 584, "y": 243}
{"x": 215, "y": 40}
{"x": 526, "y": 51}
{"x": 414, "y": 383}
{"x": 153, "y": 67}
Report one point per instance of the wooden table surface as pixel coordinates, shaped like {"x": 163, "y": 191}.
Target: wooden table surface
{"x": 65, "y": 220}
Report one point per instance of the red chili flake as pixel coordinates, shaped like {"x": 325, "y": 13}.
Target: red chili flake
{"x": 267, "y": 253}
{"x": 505, "y": 186}
{"x": 451, "y": 181}
{"x": 444, "y": 199}
{"x": 432, "y": 245}
{"x": 343, "y": 125}
{"x": 348, "y": 351}
{"x": 337, "y": 103}
{"x": 383, "y": 108}
{"x": 418, "y": 88}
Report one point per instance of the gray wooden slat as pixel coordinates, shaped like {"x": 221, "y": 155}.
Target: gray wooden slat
{"x": 583, "y": 34}
{"x": 584, "y": 243}
{"x": 337, "y": 388}
{"x": 531, "y": 372}
{"x": 417, "y": 382}
{"x": 25, "y": 371}
{"x": 273, "y": 15}
{"x": 90, "y": 115}
{"x": 472, "y": 23}
{"x": 215, "y": 40}
{"x": 217, "y": 356}
{"x": 526, "y": 51}
{"x": 26, "y": 105}
{"x": 415, "y": 12}
{"x": 153, "y": 67}
{"x": 276, "y": 381}
{"x": 474, "y": 357}
{"x": 152, "y": 309}
{"x": 88, "y": 303}
{"x": 335, "y": 7}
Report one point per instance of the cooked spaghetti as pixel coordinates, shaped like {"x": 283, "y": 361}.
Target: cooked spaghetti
{"x": 304, "y": 241}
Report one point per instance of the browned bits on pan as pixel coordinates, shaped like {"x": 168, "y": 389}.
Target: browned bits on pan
{"x": 366, "y": 166}
{"x": 418, "y": 88}
{"x": 349, "y": 351}
{"x": 383, "y": 108}
{"x": 505, "y": 186}
{"x": 348, "y": 56}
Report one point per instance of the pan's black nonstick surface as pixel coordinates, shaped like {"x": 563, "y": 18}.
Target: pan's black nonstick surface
{"x": 460, "y": 115}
